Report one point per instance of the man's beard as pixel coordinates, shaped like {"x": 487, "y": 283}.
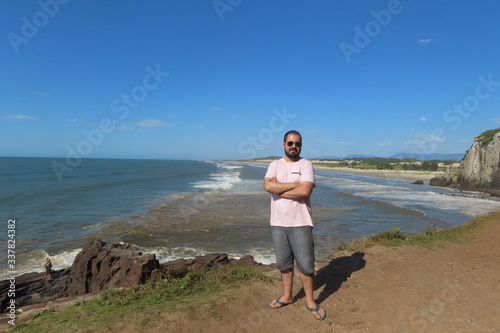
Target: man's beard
{"x": 292, "y": 154}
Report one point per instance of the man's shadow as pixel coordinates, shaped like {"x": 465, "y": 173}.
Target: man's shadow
{"x": 334, "y": 274}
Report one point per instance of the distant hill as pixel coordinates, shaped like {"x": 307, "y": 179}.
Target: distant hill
{"x": 328, "y": 157}
{"x": 401, "y": 156}
{"x": 360, "y": 156}
{"x": 430, "y": 157}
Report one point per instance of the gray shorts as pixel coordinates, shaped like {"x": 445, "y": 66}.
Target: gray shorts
{"x": 295, "y": 243}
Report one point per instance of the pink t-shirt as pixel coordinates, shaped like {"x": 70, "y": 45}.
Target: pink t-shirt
{"x": 288, "y": 212}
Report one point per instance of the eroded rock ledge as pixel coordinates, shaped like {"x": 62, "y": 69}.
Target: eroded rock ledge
{"x": 101, "y": 266}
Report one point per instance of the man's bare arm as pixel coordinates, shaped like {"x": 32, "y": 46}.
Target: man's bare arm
{"x": 304, "y": 190}
{"x": 293, "y": 191}
{"x": 272, "y": 186}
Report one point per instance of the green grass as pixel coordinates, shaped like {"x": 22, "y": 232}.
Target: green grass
{"x": 120, "y": 305}
{"x": 429, "y": 238}
{"x": 486, "y": 137}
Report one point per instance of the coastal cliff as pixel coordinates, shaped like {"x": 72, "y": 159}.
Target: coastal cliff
{"x": 480, "y": 168}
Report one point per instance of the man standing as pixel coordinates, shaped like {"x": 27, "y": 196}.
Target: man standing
{"x": 48, "y": 268}
{"x": 290, "y": 180}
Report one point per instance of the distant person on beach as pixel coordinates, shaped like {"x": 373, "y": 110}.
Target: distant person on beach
{"x": 290, "y": 180}
{"x": 48, "y": 268}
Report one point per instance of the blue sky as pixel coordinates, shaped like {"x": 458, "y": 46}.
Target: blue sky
{"x": 224, "y": 79}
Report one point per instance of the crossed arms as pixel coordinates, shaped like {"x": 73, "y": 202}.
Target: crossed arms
{"x": 294, "y": 191}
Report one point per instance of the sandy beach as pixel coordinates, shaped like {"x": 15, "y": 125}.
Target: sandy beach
{"x": 408, "y": 175}
{"x": 394, "y": 174}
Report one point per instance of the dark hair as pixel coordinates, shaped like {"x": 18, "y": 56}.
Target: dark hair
{"x": 292, "y": 132}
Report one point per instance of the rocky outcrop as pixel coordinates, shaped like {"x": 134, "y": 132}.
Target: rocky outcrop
{"x": 480, "y": 168}
{"x": 101, "y": 266}
{"x": 446, "y": 180}
{"x": 181, "y": 267}
{"x": 32, "y": 288}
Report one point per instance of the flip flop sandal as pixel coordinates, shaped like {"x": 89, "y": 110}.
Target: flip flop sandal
{"x": 316, "y": 309}
{"x": 280, "y": 303}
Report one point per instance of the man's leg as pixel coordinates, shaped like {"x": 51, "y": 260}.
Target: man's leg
{"x": 287, "y": 283}
{"x": 302, "y": 244}
{"x": 308, "y": 285}
{"x": 284, "y": 262}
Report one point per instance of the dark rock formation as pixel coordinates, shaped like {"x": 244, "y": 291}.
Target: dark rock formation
{"x": 34, "y": 288}
{"x": 441, "y": 181}
{"x": 179, "y": 268}
{"x": 246, "y": 260}
{"x": 101, "y": 266}
{"x": 446, "y": 180}
{"x": 418, "y": 182}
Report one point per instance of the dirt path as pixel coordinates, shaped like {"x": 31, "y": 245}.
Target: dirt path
{"x": 408, "y": 289}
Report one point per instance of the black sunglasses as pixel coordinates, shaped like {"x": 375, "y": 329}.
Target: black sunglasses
{"x": 297, "y": 144}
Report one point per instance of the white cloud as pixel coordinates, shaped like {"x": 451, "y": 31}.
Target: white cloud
{"x": 496, "y": 120}
{"x": 427, "y": 137}
{"x": 73, "y": 120}
{"x": 152, "y": 123}
{"x": 386, "y": 143}
{"x": 424, "y": 41}
{"x": 423, "y": 119}
{"x": 216, "y": 108}
{"x": 346, "y": 143}
{"x": 424, "y": 138}
{"x": 148, "y": 130}
{"x": 124, "y": 128}
{"x": 21, "y": 117}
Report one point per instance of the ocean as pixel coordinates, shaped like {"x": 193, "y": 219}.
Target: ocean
{"x": 182, "y": 209}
